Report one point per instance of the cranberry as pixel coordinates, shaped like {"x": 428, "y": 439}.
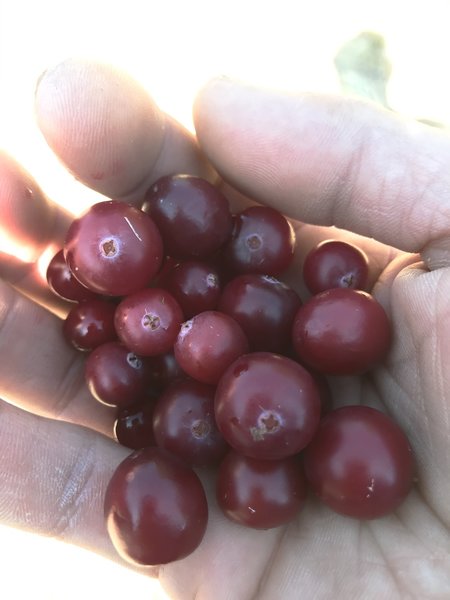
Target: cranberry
{"x": 114, "y": 249}
{"x": 262, "y": 242}
{"x": 63, "y": 283}
{"x": 184, "y": 423}
{"x": 341, "y": 332}
{"x": 360, "y": 463}
{"x": 133, "y": 427}
{"x": 115, "y": 376}
{"x": 333, "y": 264}
{"x": 267, "y": 406}
{"x": 265, "y": 309}
{"x": 194, "y": 285}
{"x": 90, "y": 324}
{"x": 208, "y": 344}
{"x": 260, "y": 493}
{"x": 148, "y": 322}
{"x": 164, "y": 369}
{"x": 192, "y": 215}
{"x": 155, "y": 508}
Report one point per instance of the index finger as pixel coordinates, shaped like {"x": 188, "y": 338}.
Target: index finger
{"x": 332, "y": 161}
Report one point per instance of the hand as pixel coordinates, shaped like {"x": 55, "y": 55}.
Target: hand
{"x": 320, "y": 160}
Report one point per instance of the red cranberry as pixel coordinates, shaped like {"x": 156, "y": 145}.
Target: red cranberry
{"x": 333, "y": 264}
{"x": 262, "y": 242}
{"x": 208, "y": 344}
{"x": 114, "y": 249}
{"x": 192, "y": 215}
{"x": 341, "y": 332}
{"x": 260, "y": 493}
{"x": 148, "y": 322}
{"x": 184, "y": 423}
{"x": 155, "y": 508}
{"x": 265, "y": 309}
{"x": 360, "y": 463}
{"x": 90, "y": 324}
{"x": 267, "y": 406}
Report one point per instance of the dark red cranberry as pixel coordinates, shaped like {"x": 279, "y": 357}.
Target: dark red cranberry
{"x": 260, "y": 493}
{"x": 195, "y": 286}
{"x": 184, "y": 423}
{"x": 360, "y": 463}
{"x": 192, "y": 215}
{"x": 208, "y": 344}
{"x": 155, "y": 508}
{"x": 114, "y": 249}
{"x": 265, "y": 309}
{"x": 267, "y": 406}
{"x": 116, "y": 376}
{"x": 164, "y": 370}
{"x": 90, "y": 324}
{"x": 133, "y": 427}
{"x": 63, "y": 283}
{"x": 262, "y": 242}
{"x": 333, "y": 264}
{"x": 148, "y": 321}
{"x": 341, "y": 332}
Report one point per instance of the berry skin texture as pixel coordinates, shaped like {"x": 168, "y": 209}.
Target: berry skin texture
{"x": 155, "y": 508}
{"x": 333, "y": 264}
{"x": 208, "y": 344}
{"x": 260, "y": 494}
{"x": 185, "y": 426}
{"x": 115, "y": 376}
{"x": 360, "y": 463}
{"x": 267, "y": 406}
{"x": 341, "y": 332}
{"x": 192, "y": 215}
{"x": 90, "y": 324}
{"x": 114, "y": 249}
{"x": 265, "y": 309}
{"x": 262, "y": 241}
{"x": 148, "y": 321}
{"x": 133, "y": 427}
{"x": 63, "y": 283}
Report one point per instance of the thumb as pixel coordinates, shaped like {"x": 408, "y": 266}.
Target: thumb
{"x": 332, "y": 161}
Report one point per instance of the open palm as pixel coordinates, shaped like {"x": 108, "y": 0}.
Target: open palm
{"x": 320, "y": 160}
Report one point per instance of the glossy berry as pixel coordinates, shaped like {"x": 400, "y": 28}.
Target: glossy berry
{"x": 114, "y": 249}
{"x": 341, "y": 332}
{"x": 195, "y": 286}
{"x": 116, "y": 376}
{"x": 164, "y": 370}
{"x": 260, "y": 493}
{"x": 262, "y": 242}
{"x": 208, "y": 344}
{"x": 155, "y": 508}
{"x": 192, "y": 215}
{"x": 133, "y": 427}
{"x": 148, "y": 321}
{"x": 267, "y": 406}
{"x": 360, "y": 463}
{"x": 90, "y": 324}
{"x": 333, "y": 264}
{"x": 184, "y": 423}
{"x": 265, "y": 309}
{"x": 63, "y": 283}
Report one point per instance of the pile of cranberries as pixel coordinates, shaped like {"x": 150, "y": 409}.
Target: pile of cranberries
{"x": 211, "y": 360}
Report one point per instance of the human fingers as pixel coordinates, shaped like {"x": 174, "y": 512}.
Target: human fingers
{"x": 110, "y": 134}
{"x": 332, "y": 161}
{"x": 39, "y": 372}
{"x": 30, "y": 225}
{"x": 53, "y": 478}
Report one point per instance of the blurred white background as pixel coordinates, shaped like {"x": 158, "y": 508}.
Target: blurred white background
{"x": 172, "y": 47}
